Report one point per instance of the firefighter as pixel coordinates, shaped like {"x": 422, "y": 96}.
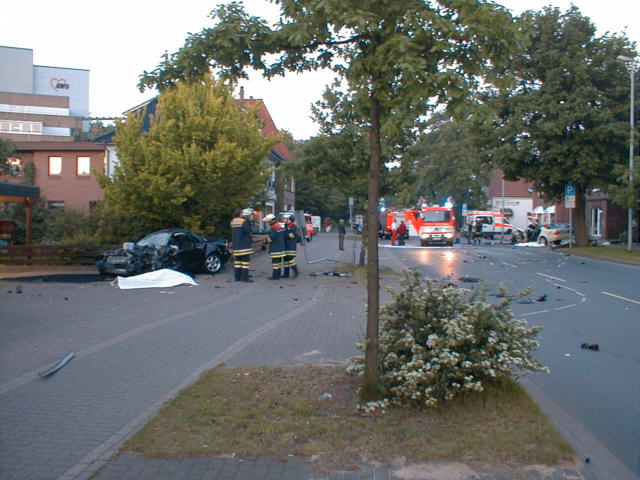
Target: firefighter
{"x": 276, "y": 245}
{"x": 290, "y": 242}
{"x": 241, "y": 231}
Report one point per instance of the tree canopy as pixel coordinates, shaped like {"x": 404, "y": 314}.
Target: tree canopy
{"x": 565, "y": 121}
{"x": 450, "y": 160}
{"x": 202, "y": 158}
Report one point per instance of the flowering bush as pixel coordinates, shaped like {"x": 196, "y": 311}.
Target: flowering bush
{"x": 438, "y": 341}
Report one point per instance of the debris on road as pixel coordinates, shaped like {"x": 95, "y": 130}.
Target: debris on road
{"x": 58, "y": 365}
{"x": 469, "y": 279}
{"x": 590, "y": 346}
{"x": 331, "y": 274}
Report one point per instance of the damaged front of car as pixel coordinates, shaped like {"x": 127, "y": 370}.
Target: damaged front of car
{"x": 131, "y": 259}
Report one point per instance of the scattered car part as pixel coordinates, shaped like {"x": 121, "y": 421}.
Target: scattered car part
{"x": 63, "y": 361}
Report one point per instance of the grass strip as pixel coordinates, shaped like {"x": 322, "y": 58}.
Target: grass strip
{"x": 310, "y": 412}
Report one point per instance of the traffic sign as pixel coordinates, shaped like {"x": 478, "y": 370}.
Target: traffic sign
{"x": 569, "y": 196}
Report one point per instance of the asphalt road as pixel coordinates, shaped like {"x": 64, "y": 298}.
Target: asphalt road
{"x": 577, "y": 300}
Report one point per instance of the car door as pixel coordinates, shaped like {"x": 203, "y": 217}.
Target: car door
{"x": 188, "y": 257}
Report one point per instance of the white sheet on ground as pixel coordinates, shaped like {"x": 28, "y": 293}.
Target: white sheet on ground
{"x": 529, "y": 244}
{"x": 156, "y": 279}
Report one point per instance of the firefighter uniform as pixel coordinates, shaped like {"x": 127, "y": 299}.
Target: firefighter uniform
{"x": 241, "y": 231}
{"x": 276, "y": 245}
{"x": 290, "y": 242}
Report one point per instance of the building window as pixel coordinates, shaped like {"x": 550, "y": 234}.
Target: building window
{"x": 56, "y": 204}
{"x": 83, "y": 166}
{"x": 55, "y": 165}
{"x": 596, "y": 219}
{"x": 14, "y": 167}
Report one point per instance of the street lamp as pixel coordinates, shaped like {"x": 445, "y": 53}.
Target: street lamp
{"x": 629, "y": 60}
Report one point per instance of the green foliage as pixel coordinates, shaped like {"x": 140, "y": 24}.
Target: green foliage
{"x": 203, "y": 157}
{"x": 52, "y": 226}
{"x": 449, "y": 160}
{"x": 565, "y": 121}
{"x": 7, "y": 150}
{"x": 437, "y": 342}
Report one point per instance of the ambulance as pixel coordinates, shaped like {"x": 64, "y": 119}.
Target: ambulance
{"x": 487, "y": 224}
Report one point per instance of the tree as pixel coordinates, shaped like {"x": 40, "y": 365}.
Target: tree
{"x": 564, "y": 122}
{"x": 449, "y": 160}
{"x": 398, "y": 59}
{"x": 7, "y": 150}
{"x": 202, "y": 158}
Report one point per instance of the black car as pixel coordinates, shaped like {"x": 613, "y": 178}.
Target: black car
{"x": 173, "y": 248}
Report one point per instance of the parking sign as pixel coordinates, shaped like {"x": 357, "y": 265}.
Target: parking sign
{"x": 569, "y": 196}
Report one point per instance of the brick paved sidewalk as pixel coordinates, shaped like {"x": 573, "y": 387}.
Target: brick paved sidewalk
{"x": 135, "y": 350}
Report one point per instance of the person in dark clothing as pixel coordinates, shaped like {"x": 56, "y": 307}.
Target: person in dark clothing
{"x": 290, "y": 242}
{"x": 241, "y": 243}
{"x": 276, "y": 245}
{"x": 341, "y": 232}
{"x": 402, "y": 233}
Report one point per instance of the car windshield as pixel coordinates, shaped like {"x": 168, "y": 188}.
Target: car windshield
{"x": 156, "y": 239}
{"x": 436, "y": 216}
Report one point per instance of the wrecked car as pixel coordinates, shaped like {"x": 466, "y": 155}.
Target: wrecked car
{"x": 174, "y": 248}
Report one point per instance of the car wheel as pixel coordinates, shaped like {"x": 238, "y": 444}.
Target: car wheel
{"x": 543, "y": 241}
{"x": 213, "y": 263}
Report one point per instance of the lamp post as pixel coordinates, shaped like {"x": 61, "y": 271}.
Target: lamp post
{"x": 629, "y": 60}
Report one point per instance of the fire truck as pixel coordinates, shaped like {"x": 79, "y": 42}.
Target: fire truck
{"x": 487, "y": 224}
{"x": 434, "y": 224}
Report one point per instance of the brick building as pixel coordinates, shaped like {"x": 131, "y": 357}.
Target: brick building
{"x": 64, "y": 172}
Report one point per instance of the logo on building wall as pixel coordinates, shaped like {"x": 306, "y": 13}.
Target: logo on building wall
{"x": 59, "y": 83}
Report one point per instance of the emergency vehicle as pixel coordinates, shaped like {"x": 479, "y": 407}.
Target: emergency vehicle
{"x": 434, "y": 224}
{"x": 487, "y": 224}
{"x": 386, "y": 220}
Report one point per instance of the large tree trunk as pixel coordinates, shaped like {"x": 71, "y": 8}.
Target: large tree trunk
{"x": 371, "y": 374}
{"x": 578, "y": 220}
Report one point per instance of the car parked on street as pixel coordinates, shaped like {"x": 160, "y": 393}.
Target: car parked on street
{"x": 173, "y": 248}
{"x": 555, "y": 234}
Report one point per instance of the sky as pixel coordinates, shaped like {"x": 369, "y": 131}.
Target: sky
{"x": 118, "y": 40}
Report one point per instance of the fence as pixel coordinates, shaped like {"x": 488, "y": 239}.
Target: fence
{"x": 51, "y": 255}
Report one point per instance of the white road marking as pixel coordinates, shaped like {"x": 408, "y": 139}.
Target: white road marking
{"x": 549, "y": 276}
{"x": 621, "y": 298}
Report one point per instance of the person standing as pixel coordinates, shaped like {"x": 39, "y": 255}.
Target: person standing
{"x": 291, "y": 244}
{"x": 402, "y": 233}
{"x": 276, "y": 245}
{"x": 327, "y": 225}
{"x": 341, "y": 232}
{"x": 394, "y": 232}
{"x": 241, "y": 243}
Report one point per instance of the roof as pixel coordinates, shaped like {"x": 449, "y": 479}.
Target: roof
{"x": 58, "y": 146}
{"x": 279, "y": 153}
{"x": 14, "y": 192}
{"x": 269, "y": 127}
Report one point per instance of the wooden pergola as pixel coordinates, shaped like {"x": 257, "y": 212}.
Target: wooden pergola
{"x": 27, "y": 194}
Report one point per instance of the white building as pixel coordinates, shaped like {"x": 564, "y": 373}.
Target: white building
{"x": 40, "y": 103}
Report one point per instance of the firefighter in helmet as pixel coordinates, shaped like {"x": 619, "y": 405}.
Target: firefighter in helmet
{"x": 290, "y": 242}
{"x": 241, "y": 231}
{"x": 276, "y": 245}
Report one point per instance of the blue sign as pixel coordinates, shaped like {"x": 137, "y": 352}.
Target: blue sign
{"x": 569, "y": 191}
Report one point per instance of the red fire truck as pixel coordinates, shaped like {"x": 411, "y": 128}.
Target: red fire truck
{"x": 434, "y": 224}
